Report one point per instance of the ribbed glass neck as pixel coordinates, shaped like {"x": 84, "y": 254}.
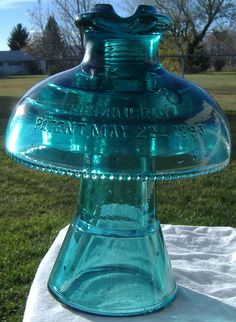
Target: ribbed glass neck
{"x": 107, "y": 52}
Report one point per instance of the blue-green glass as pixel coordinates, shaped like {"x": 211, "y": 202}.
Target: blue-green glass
{"x": 113, "y": 260}
{"x": 119, "y": 121}
{"x": 119, "y": 113}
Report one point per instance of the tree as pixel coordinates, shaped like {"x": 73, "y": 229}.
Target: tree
{"x": 193, "y": 19}
{"x": 167, "y": 55}
{"x": 50, "y": 44}
{"x": 199, "y": 62}
{"x": 220, "y": 41}
{"x": 64, "y": 11}
{"x": 53, "y": 44}
{"x": 19, "y": 37}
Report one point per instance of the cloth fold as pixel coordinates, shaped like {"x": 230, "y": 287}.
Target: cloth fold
{"x": 204, "y": 264}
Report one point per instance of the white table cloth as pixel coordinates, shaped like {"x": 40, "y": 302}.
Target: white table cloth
{"x": 204, "y": 264}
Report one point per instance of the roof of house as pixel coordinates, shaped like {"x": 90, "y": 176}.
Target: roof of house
{"x": 15, "y": 55}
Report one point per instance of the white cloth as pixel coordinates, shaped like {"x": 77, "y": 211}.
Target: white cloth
{"x": 204, "y": 264}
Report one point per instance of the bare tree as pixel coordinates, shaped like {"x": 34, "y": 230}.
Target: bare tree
{"x": 192, "y": 19}
{"x": 219, "y": 41}
{"x": 64, "y": 11}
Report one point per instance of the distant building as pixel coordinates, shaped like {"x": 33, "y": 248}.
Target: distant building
{"x": 16, "y": 62}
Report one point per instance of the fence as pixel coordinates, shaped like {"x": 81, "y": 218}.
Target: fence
{"x": 180, "y": 64}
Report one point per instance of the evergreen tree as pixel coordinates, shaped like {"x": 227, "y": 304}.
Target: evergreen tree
{"x": 50, "y": 45}
{"x": 19, "y": 37}
{"x": 53, "y": 43}
{"x": 64, "y": 11}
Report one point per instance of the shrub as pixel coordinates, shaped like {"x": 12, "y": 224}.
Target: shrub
{"x": 219, "y": 64}
{"x": 198, "y": 62}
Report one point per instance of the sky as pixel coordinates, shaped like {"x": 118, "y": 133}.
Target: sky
{"x": 13, "y": 12}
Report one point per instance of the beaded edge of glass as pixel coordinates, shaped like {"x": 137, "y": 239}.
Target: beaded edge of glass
{"x": 94, "y": 175}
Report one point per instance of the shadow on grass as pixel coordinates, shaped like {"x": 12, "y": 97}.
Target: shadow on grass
{"x": 7, "y": 103}
{"x": 213, "y": 74}
{"x": 231, "y": 116}
{"x": 17, "y": 76}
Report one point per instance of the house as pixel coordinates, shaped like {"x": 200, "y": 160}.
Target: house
{"x": 16, "y": 62}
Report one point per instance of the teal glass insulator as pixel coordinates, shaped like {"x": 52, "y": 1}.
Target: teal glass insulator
{"x": 120, "y": 122}
{"x": 113, "y": 260}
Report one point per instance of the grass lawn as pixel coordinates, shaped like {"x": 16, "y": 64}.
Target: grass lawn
{"x": 222, "y": 86}
{"x": 34, "y": 206}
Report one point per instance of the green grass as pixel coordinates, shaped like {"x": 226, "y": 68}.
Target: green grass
{"x": 34, "y": 206}
{"x": 222, "y": 86}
